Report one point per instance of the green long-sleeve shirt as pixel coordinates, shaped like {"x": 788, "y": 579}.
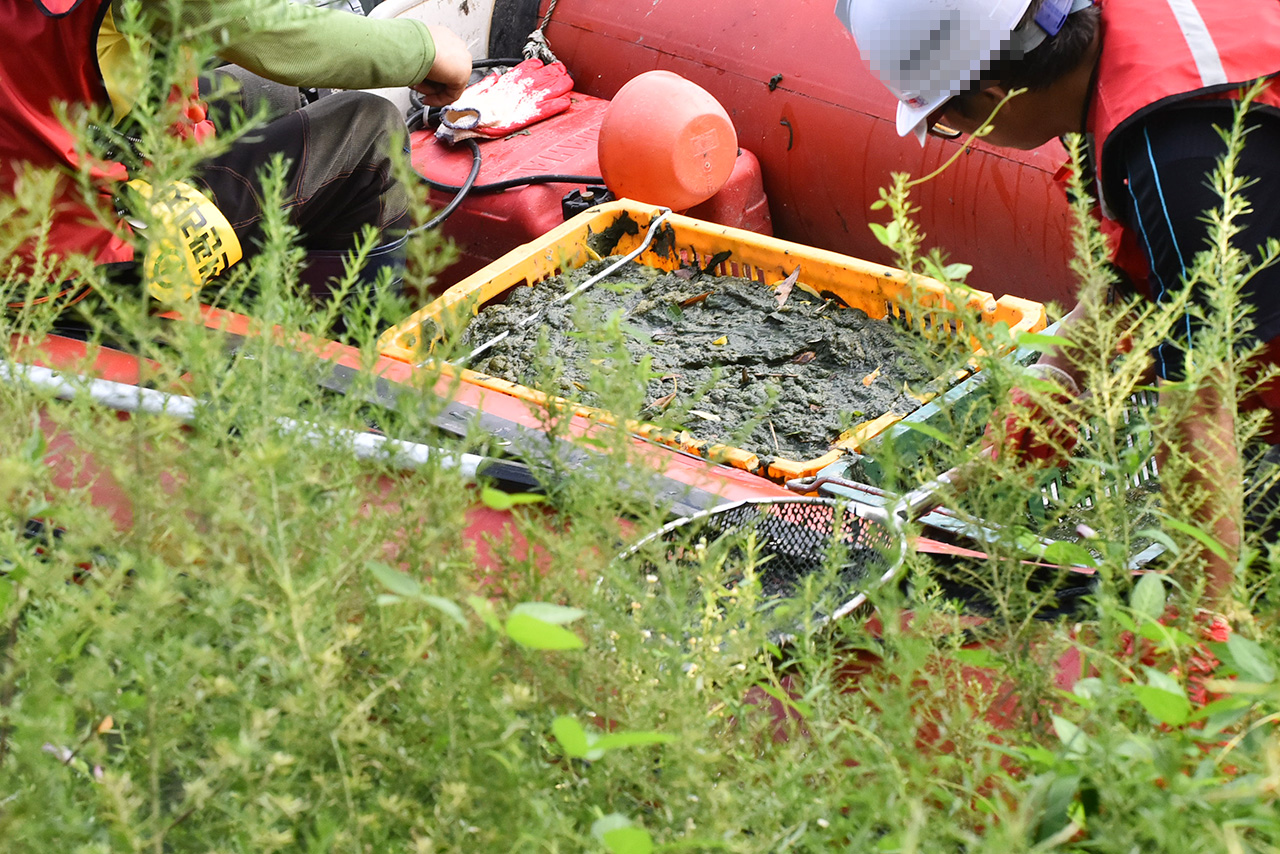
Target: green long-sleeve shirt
{"x": 307, "y": 46}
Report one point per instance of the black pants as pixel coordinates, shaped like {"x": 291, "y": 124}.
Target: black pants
{"x": 337, "y": 154}
{"x": 337, "y": 181}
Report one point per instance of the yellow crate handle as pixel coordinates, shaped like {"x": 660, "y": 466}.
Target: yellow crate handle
{"x": 190, "y": 241}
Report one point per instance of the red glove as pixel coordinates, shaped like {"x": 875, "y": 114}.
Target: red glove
{"x": 503, "y": 103}
{"x": 1030, "y": 434}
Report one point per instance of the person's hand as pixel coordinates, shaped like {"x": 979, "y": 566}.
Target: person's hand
{"x": 505, "y": 102}
{"x": 451, "y": 71}
{"x": 1030, "y": 434}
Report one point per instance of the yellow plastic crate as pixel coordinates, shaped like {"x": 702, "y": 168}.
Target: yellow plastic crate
{"x": 618, "y": 228}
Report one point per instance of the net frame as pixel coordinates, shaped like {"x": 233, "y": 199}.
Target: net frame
{"x": 787, "y": 539}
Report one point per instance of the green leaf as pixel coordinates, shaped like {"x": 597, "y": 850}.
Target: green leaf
{"x": 393, "y": 579}
{"x": 879, "y": 205}
{"x": 957, "y": 272}
{"x": 444, "y": 606}
{"x": 538, "y": 634}
{"x": 1250, "y": 660}
{"x": 1222, "y": 718}
{"x": 1064, "y": 553}
{"x": 1023, "y": 538}
{"x": 1057, "y": 805}
{"x": 1242, "y": 790}
{"x": 6, "y": 594}
{"x": 130, "y": 701}
{"x": 1088, "y": 688}
{"x": 1163, "y": 681}
{"x": 1168, "y": 636}
{"x": 1039, "y": 757}
{"x": 930, "y": 431}
{"x": 1071, "y": 736}
{"x": 1148, "y": 596}
{"x": 803, "y": 709}
{"x": 1164, "y": 706}
{"x": 36, "y": 446}
{"x": 1221, "y": 705}
{"x": 496, "y": 499}
{"x": 1125, "y": 621}
{"x": 1138, "y": 747}
{"x": 614, "y": 740}
{"x": 979, "y": 657}
{"x": 484, "y": 610}
{"x": 1043, "y": 342}
{"x": 405, "y": 587}
{"x": 1198, "y": 535}
{"x": 888, "y": 235}
{"x": 1163, "y": 698}
{"x": 628, "y": 840}
{"x": 606, "y": 823}
{"x": 557, "y": 615}
{"x": 571, "y": 737}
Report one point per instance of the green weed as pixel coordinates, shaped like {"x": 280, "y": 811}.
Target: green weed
{"x": 285, "y": 648}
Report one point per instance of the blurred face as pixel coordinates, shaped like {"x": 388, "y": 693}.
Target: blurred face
{"x": 1025, "y": 122}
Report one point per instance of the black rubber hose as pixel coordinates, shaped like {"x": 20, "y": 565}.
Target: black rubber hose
{"x": 469, "y": 187}
{"x": 494, "y": 63}
{"x": 462, "y": 192}
{"x": 499, "y": 186}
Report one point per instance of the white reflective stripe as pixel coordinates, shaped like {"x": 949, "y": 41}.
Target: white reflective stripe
{"x": 1203, "y": 50}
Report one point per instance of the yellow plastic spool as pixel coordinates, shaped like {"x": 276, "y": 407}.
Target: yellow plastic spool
{"x": 189, "y": 241}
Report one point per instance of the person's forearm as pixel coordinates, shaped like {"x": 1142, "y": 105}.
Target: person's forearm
{"x": 1061, "y": 361}
{"x": 1056, "y": 359}
{"x": 1205, "y": 437}
{"x": 302, "y": 45}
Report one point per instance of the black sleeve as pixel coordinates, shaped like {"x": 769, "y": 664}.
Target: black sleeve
{"x": 1167, "y": 162}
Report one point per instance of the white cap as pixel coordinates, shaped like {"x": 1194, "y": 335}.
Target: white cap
{"x": 926, "y": 51}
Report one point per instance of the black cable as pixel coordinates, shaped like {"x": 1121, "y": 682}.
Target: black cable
{"x": 462, "y": 192}
{"x": 470, "y": 188}
{"x": 494, "y": 63}
{"x": 422, "y": 118}
{"x": 499, "y": 186}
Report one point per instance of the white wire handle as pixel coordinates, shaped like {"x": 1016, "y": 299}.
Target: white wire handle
{"x": 520, "y": 324}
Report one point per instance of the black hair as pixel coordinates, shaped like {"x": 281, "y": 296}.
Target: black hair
{"x": 1053, "y": 58}
{"x": 1042, "y": 66}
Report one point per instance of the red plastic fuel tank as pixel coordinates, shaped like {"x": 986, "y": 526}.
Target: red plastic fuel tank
{"x": 488, "y": 226}
{"x": 741, "y": 202}
{"x": 822, "y": 127}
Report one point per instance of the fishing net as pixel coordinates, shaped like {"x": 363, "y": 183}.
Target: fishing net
{"x": 784, "y": 543}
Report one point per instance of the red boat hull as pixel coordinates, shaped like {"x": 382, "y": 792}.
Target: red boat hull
{"x": 822, "y": 127}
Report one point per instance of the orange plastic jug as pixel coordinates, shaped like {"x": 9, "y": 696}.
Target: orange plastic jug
{"x": 666, "y": 141}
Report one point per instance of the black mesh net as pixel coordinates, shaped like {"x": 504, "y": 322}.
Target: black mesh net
{"x": 789, "y": 539}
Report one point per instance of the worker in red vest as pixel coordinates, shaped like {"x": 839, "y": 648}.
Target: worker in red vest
{"x": 69, "y": 54}
{"x": 1146, "y": 82}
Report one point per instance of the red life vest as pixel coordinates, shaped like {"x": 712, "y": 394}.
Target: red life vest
{"x": 1159, "y": 52}
{"x": 57, "y": 64}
